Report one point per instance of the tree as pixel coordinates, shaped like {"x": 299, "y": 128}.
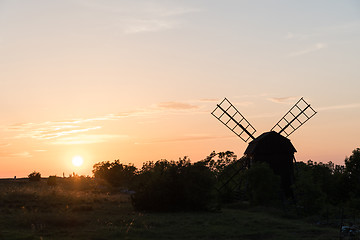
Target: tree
{"x": 34, "y": 176}
{"x": 352, "y": 170}
{"x": 173, "y": 186}
{"x": 352, "y": 173}
{"x": 115, "y": 173}
{"x": 307, "y": 189}
{"x": 223, "y": 160}
{"x": 262, "y": 185}
{"x": 227, "y": 170}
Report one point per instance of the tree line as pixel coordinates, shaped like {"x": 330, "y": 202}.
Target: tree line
{"x": 221, "y": 177}
{"x": 224, "y": 178}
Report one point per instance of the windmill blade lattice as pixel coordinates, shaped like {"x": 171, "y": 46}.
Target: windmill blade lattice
{"x": 226, "y": 113}
{"x": 300, "y": 113}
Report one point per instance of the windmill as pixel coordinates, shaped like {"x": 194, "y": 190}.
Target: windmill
{"x": 272, "y": 147}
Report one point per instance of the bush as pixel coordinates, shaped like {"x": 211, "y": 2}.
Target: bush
{"x": 78, "y": 183}
{"x": 34, "y": 176}
{"x": 308, "y": 191}
{"x": 115, "y": 173}
{"x": 173, "y": 186}
{"x": 263, "y": 187}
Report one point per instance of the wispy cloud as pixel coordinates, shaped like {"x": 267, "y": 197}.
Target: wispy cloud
{"x": 87, "y": 139}
{"x": 191, "y": 137}
{"x": 52, "y": 130}
{"x": 21, "y": 154}
{"x": 135, "y": 17}
{"x": 324, "y": 32}
{"x": 296, "y": 36}
{"x": 48, "y": 130}
{"x": 4, "y": 145}
{"x": 311, "y": 49}
{"x": 176, "y": 106}
{"x": 287, "y": 100}
{"x": 339, "y": 107}
{"x": 85, "y": 130}
{"x": 149, "y": 25}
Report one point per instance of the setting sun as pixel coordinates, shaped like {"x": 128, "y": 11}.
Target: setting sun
{"x": 77, "y": 161}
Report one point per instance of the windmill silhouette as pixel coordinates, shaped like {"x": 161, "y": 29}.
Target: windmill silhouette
{"x": 272, "y": 147}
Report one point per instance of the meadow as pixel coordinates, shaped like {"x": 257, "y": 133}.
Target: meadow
{"x": 80, "y": 208}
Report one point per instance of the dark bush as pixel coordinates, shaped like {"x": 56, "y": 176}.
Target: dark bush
{"x": 34, "y": 176}
{"x": 115, "y": 173}
{"x": 263, "y": 187}
{"x": 173, "y": 186}
{"x": 308, "y": 192}
{"x": 228, "y": 171}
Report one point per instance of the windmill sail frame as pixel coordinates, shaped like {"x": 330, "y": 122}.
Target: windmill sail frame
{"x": 299, "y": 114}
{"x": 227, "y": 113}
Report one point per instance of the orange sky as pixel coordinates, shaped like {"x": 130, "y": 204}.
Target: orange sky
{"x": 138, "y": 81}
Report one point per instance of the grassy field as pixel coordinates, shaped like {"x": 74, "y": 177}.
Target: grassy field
{"x": 75, "y": 209}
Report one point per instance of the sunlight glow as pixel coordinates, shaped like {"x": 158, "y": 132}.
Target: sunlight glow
{"x": 77, "y": 161}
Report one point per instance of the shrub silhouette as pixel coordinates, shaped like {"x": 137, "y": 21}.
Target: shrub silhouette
{"x": 34, "y": 176}
{"x": 115, "y": 173}
{"x": 307, "y": 189}
{"x": 352, "y": 171}
{"x": 228, "y": 171}
{"x": 263, "y": 187}
{"x": 173, "y": 186}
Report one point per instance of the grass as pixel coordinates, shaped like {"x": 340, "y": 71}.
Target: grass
{"x": 80, "y": 210}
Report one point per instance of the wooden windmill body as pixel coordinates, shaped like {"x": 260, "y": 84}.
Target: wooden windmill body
{"x": 272, "y": 147}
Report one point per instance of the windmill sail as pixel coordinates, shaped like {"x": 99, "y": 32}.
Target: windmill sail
{"x": 300, "y": 113}
{"x": 226, "y": 113}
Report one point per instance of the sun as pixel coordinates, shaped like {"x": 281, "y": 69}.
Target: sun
{"x": 77, "y": 161}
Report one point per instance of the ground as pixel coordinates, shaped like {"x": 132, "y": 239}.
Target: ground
{"x": 73, "y": 209}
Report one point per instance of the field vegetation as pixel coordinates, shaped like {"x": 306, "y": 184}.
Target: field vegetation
{"x": 180, "y": 199}
{"x": 70, "y": 210}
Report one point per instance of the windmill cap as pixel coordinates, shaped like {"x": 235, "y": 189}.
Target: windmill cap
{"x": 270, "y": 143}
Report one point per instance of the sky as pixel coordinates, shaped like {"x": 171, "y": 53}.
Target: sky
{"x": 137, "y": 80}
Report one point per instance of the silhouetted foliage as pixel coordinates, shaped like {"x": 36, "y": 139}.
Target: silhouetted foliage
{"x": 217, "y": 162}
{"x": 76, "y": 182}
{"x": 352, "y": 171}
{"x": 221, "y": 177}
{"x": 262, "y": 186}
{"x": 318, "y": 185}
{"x": 115, "y": 173}
{"x": 34, "y": 176}
{"x": 173, "y": 186}
{"x": 227, "y": 170}
{"x": 307, "y": 189}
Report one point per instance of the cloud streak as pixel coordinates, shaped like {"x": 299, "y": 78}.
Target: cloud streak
{"x": 136, "y": 17}
{"x": 287, "y": 100}
{"x": 193, "y": 137}
{"x": 81, "y": 131}
{"x": 87, "y": 139}
{"x": 176, "y": 106}
{"x": 21, "y": 154}
{"x": 314, "y": 48}
{"x": 152, "y": 25}
{"x": 339, "y": 107}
